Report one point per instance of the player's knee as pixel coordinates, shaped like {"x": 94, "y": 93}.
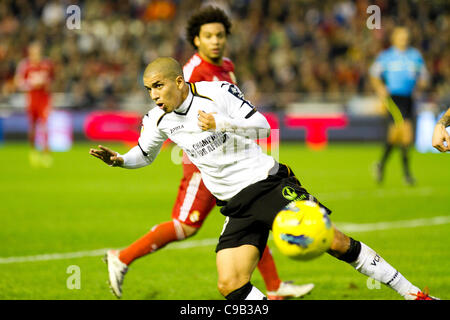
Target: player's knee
{"x": 241, "y": 293}
{"x": 224, "y": 287}
{"x": 188, "y": 231}
{"x": 230, "y": 280}
{"x": 231, "y": 284}
{"x": 407, "y": 134}
{"x": 407, "y": 140}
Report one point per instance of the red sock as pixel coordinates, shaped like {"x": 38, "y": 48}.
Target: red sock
{"x": 266, "y": 267}
{"x": 157, "y": 238}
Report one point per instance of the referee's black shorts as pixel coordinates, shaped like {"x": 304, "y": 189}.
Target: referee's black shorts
{"x": 251, "y": 212}
{"x": 405, "y": 105}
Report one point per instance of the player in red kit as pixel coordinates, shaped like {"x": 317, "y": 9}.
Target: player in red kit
{"x": 34, "y": 75}
{"x": 207, "y": 31}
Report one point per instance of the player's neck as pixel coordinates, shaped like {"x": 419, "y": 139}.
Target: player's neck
{"x": 185, "y": 92}
{"x": 184, "y": 95}
{"x": 35, "y": 60}
{"x": 217, "y": 62}
{"x": 402, "y": 48}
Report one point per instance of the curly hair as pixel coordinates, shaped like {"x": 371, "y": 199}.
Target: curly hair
{"x": 207, "y": 15}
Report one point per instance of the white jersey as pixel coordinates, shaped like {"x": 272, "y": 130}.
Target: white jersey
{"x": 228, "y": 158}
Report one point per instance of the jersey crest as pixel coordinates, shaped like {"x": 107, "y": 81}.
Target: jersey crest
{"x": 235, "y": 91}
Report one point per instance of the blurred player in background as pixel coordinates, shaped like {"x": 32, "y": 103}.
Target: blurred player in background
{"x": 34, "y": 75}
{"x": 441, "y": 138}
{"x": 394, "y": 76}
{"x": 207, "y": 31}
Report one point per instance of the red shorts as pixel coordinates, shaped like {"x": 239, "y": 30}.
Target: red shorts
{"x": 38, "y": 106}
{"x": 38, "y": 113}
{"x": 194, "y": 201}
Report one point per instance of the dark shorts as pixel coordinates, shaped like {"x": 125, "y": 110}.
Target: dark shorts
{"x": 405, "y": 105}
{"x": 251, "y": 212}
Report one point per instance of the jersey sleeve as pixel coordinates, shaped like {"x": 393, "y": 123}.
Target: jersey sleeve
{"x": 422, "y": 71}
{"x": 195, "y": 76}
{"x": 377, "y": 68}
{"x": 134, "y": 159}
{"x": 21, "y": 76}
{"x": 151, "y": 138}
{"x": 231, "y": 65}
{"x": 238, "y": 114}
{"x": 51, "y": 70}
{"x": 191, "y": 70}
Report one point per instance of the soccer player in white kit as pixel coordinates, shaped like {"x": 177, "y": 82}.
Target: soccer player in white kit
{"x": 216, "y": 127}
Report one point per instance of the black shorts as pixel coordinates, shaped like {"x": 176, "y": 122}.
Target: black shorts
{"x": 251, "y": 212}
{"x": 405, "y": 105}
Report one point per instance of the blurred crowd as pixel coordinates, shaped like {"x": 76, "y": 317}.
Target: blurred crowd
{"x": 294, "y": 47}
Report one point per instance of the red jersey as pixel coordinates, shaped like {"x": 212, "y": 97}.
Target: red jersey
{"x": 197, "y": 69}
{"x": 36, "y": 78}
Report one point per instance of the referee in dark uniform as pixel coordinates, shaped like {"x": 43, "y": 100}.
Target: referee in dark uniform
{"x": 396, "y": 72}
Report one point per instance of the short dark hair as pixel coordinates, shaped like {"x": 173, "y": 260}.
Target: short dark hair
{"x": 206, "y": 15}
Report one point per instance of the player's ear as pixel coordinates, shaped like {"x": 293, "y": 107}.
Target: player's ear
{"x": 197, "y": 41}
{"x": 179, "y": 82}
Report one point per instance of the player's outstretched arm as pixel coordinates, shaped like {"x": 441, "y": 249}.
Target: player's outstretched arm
{"x": 440, "y": 134}
{"x": 108, "y": 156}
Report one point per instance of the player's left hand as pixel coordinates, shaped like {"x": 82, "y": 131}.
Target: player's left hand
{"x": 206, "y": 121}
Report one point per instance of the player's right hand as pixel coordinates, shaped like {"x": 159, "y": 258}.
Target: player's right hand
{"x": 107, "y": 155}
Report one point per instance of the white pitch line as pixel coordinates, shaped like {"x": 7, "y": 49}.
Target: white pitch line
{"x": 367, "y": 227}
{"x": 54, "y": 256}
{"x": 381, "y": 193}
{"x": 346, "y": 227}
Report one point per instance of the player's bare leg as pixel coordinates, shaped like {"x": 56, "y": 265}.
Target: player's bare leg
{"x": 32, "y": 134}
{"x": 46, "y": 158}
{"x": 391, "y": 142}
{"x": 276, "y": 289}
{"x": 407, "y": 134}
{"x": 188, "y": 230}
{"x": 371, "y": 264}
{"x": 235, "y": 267}
{"x": 34, "y": 156}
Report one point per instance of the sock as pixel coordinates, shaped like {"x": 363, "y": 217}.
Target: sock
{"x": 157, "y": 238}
{"x": 372, "y": 265}
{"x": 266, "y": 267}
{"x": 352, "y": 253}
{"x": 246, "y": 292}
{"x": 387, "y": 151}
{"x": 405, "y": 161}
{"x": 255, "y": 294}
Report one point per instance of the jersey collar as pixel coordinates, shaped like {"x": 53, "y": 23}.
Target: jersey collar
{"x": 183, "y": 109}
{"x": 398, "y": 51}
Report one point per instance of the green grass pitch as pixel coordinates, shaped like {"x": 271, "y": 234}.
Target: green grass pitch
{"x": 82, "y": 205}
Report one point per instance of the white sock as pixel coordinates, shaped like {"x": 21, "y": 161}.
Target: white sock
{"x": 372, "y": 265}
{"x": 255, "y": 294}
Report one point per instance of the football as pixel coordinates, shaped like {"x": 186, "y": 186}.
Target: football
{"x": 302, "y": 230}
